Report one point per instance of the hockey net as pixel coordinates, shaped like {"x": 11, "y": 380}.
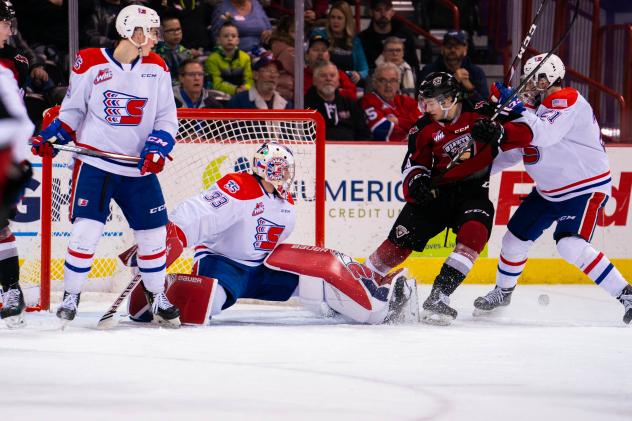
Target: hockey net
{"x": 209, "y": 144}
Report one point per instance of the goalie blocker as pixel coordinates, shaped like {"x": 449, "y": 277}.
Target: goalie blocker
{"x": 326, "y": 279}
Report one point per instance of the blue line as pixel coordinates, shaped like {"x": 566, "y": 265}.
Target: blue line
{"x": 65, "y": 234}
{"x": 508, "y": 273}
{"x": 604, "y": 274}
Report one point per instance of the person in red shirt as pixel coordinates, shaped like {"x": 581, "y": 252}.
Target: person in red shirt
{"x": 317, "y": 52}
{"x": 390, "y": 114}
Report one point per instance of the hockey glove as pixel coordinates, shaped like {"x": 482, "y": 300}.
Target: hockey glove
{"x": 500, "y": 93}
{"x": 56, "y": 132}
{"x": 488, "y": 131}
{"x": 420, "y": 189}
{"x": 157, "y": 147}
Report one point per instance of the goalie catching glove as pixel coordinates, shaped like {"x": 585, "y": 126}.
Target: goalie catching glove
{"x": 157, "y": 147}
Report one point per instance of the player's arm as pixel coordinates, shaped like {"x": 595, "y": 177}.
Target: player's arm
{"x": 417, "y": 166}
{"x": 381, "y": 128}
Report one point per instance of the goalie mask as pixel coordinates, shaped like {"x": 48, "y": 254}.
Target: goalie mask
{"x": 132, "y": 17}
{"x": 274, "y": 163}
{"x": 439, "y": 90}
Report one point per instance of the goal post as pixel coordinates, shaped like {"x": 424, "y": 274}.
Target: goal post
{"x": 209, "y": 144}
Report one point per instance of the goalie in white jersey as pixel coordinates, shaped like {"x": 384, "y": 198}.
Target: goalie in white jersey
{"x": 119, "y": 101}
{"x": 569, "y": 164}
{"x": 236, "y": 227}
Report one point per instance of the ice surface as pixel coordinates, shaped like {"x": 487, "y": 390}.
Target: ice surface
{"x": 570, "y": 360}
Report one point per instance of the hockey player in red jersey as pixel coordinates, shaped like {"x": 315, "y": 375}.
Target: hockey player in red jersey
{"x": 236, "y": 228}
{"x": 569, "y": 165}
{"x": 446, "y": 182}
{"x": 119, "y": 100}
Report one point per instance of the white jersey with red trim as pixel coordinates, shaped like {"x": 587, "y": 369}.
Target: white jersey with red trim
{"x": 15, "y": 125}
{"x": 567, "y": 157}
{"x": 235, "y": 218}
{"x": 114, "y": 107}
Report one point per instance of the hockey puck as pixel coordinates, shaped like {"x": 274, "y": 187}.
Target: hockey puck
{"x": 543, "y": 300}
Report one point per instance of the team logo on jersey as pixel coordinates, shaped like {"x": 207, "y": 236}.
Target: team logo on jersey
{"x": 268, "y": 234}
{"x": 458, "y": 145}
{"x": 530, "y": 155}
{"x": 401, "y": 231}
{"x": 78, "y": 62}
{"x": 123, "y": 109}
{"x": 258, "y": 210}
{"x": 82, "y": 202}
{"x": 103, "y": 75}
{"x": 413, "y": 130}
{"x": 21, "y": 59}
{"x": 437, "y": 136}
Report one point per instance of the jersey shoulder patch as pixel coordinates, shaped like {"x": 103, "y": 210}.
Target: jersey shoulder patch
{"x": 561, "y": 99}
{"x": 88, "y": 58}
{"x": 241, "y": 186}
{"x": 153, "y": 58}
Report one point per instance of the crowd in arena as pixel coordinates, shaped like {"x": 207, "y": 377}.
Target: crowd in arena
{"x": 232, "y": 54}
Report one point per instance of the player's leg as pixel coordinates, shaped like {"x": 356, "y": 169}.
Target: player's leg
{"x": 472, "y": 222}
{"x": 142, "y": 203}
{"x": 89, "y": 209}
{"x": 573, "y": 235}
{"x": 532, "y": 217}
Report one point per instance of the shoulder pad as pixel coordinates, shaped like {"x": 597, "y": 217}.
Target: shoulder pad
{"x": 241, "y": 186}
{"x": 562, "y": 99}
{"x": 153, "y": 58}
{"x": 87, "y": 58}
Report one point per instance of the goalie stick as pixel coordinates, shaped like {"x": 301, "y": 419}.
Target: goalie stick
{"x": 518, "y": 90}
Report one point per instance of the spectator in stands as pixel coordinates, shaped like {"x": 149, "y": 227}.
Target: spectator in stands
{"x": 343, "y": 117}
{"x": 170, "y": 48}
{"x": 263, "y": 95}
{"x": 251, "y": 21}
{"x": 195, "y": 18}
{"x": 390, "y": 114}
{"x": 383, "y": 26}
{"x": 346, "y": 48}
{"x": 282, "y": 47}
{"x": 454, "y": 60}
{"x": 228, "y": 67}
{"x": 317, "y": 52}
{"x": 190, "y": 93}
{"x": 393, "y": 52}
{"x": 101, "y": 28}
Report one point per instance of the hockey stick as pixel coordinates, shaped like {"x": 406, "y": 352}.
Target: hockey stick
{"x": 97, "y": 154}
{"x": 108, "y": 321}
{"x": 518, "y": 90}
{"x": 525, "y": 43}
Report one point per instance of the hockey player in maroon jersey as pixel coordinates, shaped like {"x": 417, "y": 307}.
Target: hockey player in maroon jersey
{"x": 446, "y": 184}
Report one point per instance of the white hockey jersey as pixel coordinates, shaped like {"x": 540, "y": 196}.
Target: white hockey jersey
{"x": 235, "y": 218}
{"x": 566, "y": 157}
{"x": 15, "y": 125}
{"x": 114, "y": 107}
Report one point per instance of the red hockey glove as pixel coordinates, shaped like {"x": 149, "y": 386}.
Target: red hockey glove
{"x": 153, "y": 162}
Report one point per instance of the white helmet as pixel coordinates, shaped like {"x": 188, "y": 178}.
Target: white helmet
{"x": 132, "y": 17}
{"x": 553, "y": 68}
{"x": 275, "y": 164}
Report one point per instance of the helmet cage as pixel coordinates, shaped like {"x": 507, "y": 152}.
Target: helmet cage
{"x": 274, "y": 163}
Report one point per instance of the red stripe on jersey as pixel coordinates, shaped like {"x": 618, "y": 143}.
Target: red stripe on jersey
{"x": 507, "y": 262}
{"x": 79, "y": 255}
{"x": 592, "y": 264}
{"x": 152, "y": 256}
{"x": 577, "y": 183}
{"x": 590, "y": 216}
{"x": 561, "y": 99}
{"x": 88, "y": 58}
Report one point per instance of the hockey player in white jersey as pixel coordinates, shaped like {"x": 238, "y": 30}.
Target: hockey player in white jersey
{"x": 15, "y": 172}
{"x": 236, "y": 227}
{"x": 119, "y": 100}
{"x": 568, "y": 162}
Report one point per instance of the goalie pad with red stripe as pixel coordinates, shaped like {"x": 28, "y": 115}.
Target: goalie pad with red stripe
{"x": 192, "y": 294}
{"x": 349, "y": 288}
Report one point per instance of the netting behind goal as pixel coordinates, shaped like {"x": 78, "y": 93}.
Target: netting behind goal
{"x": 210, "y": 144}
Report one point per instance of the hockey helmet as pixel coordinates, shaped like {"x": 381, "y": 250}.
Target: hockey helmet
{"x": 6, "y": 10}
{"x": 553, "y": 69}
{"x": 132, "y": 17}
{"x": 274, "y": 163}
{"x": 439, "y": 89}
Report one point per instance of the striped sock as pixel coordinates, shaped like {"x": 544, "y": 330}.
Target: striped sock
{"x": 153, "y": 270}
{"x": 76, "y": 269}
{"x": 599, "y": 268}
{"x": 509, "y": 270}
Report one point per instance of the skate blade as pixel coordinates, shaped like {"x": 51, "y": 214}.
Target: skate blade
{"x": 15, "y": 322}
{"x": 435, "y": 319}
{"x": 171, "y": 324}
{"x": 477, "y": 312}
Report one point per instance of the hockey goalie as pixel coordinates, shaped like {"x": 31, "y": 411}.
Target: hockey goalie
{"x": 236, "y": 228}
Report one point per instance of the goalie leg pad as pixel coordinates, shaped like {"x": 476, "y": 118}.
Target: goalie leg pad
{"x": 194, "y": 296}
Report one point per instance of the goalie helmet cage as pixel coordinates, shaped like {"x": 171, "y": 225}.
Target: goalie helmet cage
{"x": 209, "y": 144}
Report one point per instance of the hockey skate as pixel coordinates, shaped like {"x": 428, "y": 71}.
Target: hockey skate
{"x": 13, "y": 307}
{"x": 403, "y": 305}
{"x": 497, "y": 297}
{"x": 626, "y": 299}
{"x": 67, "y": 311}
{"x": 437, "y": 310}
{"x": 165, "y": 313}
